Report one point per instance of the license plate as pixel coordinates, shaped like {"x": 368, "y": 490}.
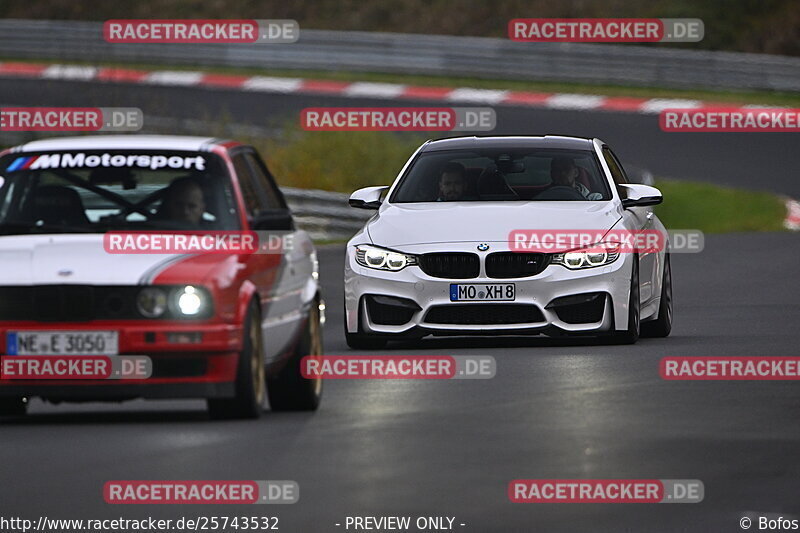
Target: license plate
{"x": 62, "y": 343}
{"x": 486, "y": 292}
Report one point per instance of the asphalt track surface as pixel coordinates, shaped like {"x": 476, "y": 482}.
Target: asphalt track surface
{"x": 556, "y": 409}
{"x": 561, "y": 409}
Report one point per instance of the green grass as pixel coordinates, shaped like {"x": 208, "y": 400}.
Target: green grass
{"x": 716, "y": 209}
{"x": 337, "y": 161}
{"x": 790, "y": 99}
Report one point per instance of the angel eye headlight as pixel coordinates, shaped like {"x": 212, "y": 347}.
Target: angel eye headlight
{"x": 573, "y": 259}
{"x": 596, "y": 258}
{"x": 382, "y": 259}
{"x": 597, "y": 255}
{"x": 375, "y": 258}
{"x": 395, "y": 261}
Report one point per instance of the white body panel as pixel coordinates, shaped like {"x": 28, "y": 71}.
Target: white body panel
{"x": 72, "y": 259}
{"x": 120, "y": 142}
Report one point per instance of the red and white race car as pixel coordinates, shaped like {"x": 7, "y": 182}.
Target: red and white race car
{"x": 113, "y": 246}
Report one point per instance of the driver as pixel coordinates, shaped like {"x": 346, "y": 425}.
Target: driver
{"x": 564, "y": 173}
{"x": 184, "y": 201}
{"x": 452, "y": 183}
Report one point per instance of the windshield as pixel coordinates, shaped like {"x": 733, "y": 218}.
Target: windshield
{"x": 98, "y": 191}
{"x": 502, "y": 174}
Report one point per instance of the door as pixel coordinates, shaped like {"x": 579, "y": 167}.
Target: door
{"x": 641, "y": 219}
{"x": 288, "y": 268}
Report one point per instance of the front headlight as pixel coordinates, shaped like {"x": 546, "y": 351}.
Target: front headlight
{"x": 600, "y": 254}
{"x": 383, "y": 259}
{"x": 151, "y": 302}
{"x": 190, "y": 300}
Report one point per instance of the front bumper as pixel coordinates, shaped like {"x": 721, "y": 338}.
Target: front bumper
{"x": 535, "y": 300}
{"x": 202, "y": 369}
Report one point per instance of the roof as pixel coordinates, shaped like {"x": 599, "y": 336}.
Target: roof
{"x": 122, "y": 142}
{"x": 509, "y": 141}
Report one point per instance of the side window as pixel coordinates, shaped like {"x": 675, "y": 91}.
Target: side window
{"x": 617, "y": 173}
{"x": 264, "y": 180}
{"x": 252, "y": 201}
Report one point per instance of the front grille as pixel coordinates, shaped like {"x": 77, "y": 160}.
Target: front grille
{"x": 515, "y": 265}
{"x": 76, "y": 303}
{"x": 450, "y": 265}
{"x": 66, "y": 303}
{"x": 52, "y": 304}
{"x": 484, "y": 314}
{"x": 580, "y": 309}
{"x": 389, "y": 310}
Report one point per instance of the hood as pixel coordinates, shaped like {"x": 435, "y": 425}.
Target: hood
{"x": 441, "y": 222}
{"x": 73, "y": 259}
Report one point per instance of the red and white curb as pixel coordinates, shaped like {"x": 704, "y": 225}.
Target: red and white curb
{"x": 359, "y": 89}
{"x": 792, "y": 220}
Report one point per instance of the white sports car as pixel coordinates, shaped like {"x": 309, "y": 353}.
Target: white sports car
{"x": 445, "y": 253}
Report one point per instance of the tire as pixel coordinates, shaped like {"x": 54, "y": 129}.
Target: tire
{"x": 631, "y": 334}
{"x": 13, "y": 407}
{"x": 289, "y": 390}
{"x": 250, "y": 375}
{"x": 662, "y": 326}
{"x": 360, "y": 340}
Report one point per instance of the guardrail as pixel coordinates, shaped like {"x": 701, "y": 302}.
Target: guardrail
{"x": 325, "y": 215}
{"x": 480, "y": 57}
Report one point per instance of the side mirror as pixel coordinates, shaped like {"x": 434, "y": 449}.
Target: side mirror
{"x": 637, "y": 195}
{"x": 273, "y": 220}
{"x": 367, "y": 198}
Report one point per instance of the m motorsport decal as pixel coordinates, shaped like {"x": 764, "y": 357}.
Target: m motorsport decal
{"x": 106, "y": 160}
